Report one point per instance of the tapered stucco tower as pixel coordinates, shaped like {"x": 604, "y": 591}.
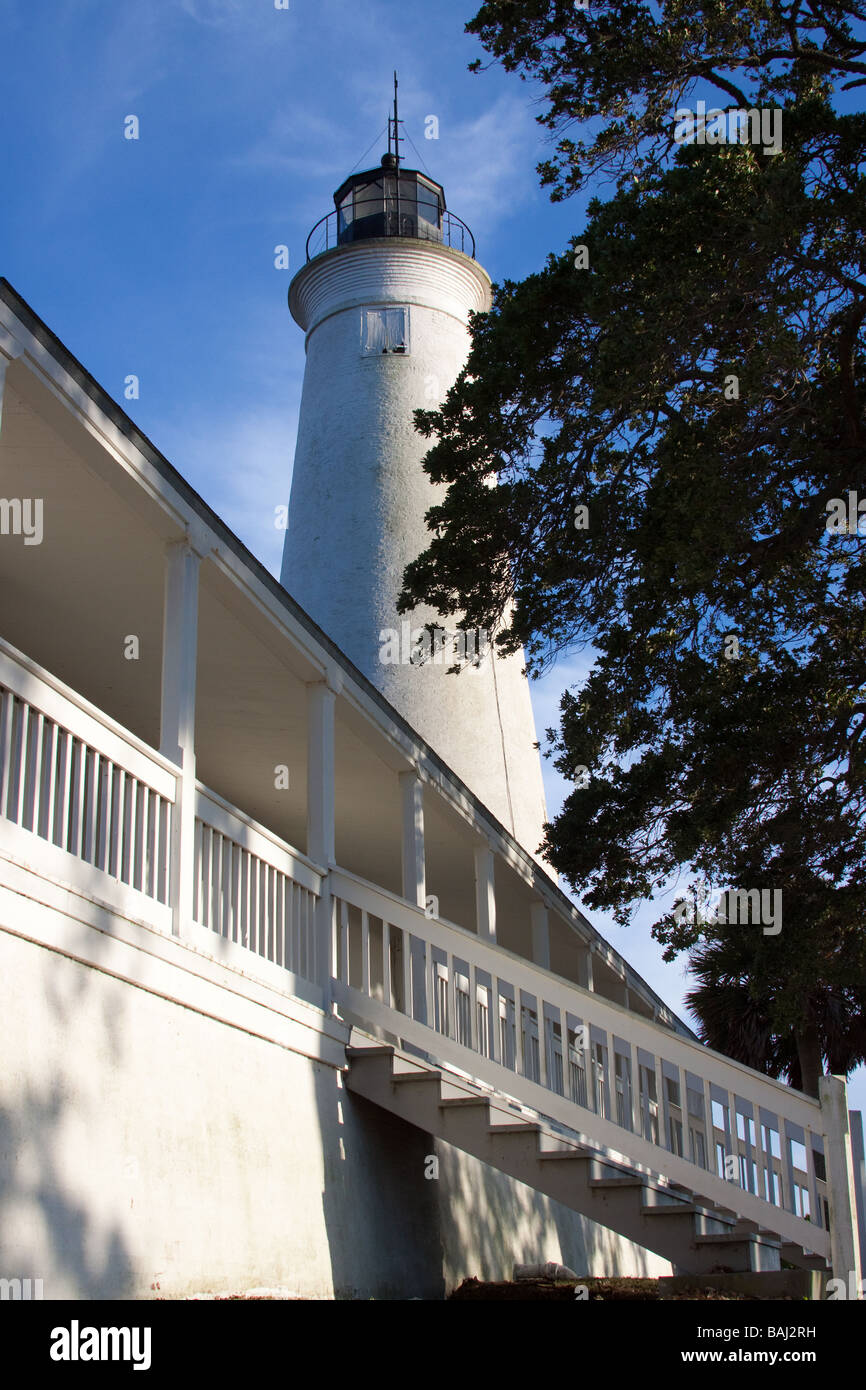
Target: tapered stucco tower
{"x": 384, "y": 300}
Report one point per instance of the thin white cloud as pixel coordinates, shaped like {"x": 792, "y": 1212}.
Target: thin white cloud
{"x": 216, "y": 13}
{"x": 495, "y": 176}
{"x": 241, "y": 463}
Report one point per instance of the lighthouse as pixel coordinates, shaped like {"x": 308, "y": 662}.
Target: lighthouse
{"x": 384, "y": 299}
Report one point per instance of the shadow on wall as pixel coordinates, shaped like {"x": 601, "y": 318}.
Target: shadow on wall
{"x": 490, "y": 1222}
{"x": 88, "y": 1262}
{"x": 48, "y": 1228}
{"x": 381, "y": 1213}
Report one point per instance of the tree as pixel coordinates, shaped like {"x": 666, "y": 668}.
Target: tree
{"x": 782, "y": 991}
{"x": 672, "y": 422}
{"x": 739, "y": 1005}
{"x": 629, "y": 66}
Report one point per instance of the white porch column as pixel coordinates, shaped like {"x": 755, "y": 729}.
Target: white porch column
{"x": 321, "y": 703}
{"x": 4, "y": 363}
{"x": 177, "y": 716}
{"x": 485, "y": 892}
{"x": 540, "y": 920}
{"x": 9, "y": 350}
{"x": 841, "y": 1192}
{"x": 414, "y": 867}
{"x": 590, "y": 980}
{"x": 321, "y": 842}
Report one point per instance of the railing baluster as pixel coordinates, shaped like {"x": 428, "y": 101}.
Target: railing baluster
{"x": 198, "y": 861}
{"x": 279, "y": 920}
{"x": 299, "y": 933}
{"x": 787, "y": 1166}
{"x": 345, "y": 972}
{"x": 257, "y": 927}
{"x": 261, "y": 918}
{"x": 24, "y": 727}
{"x": 244, "y": 913}
{"x": 152, "y": 819}
{"x": 550, "y": 1022}
{"x": 473, "y": 1008}
{"x": 429, "y": 982}
{"x": 140, "y": 809}
{"x": 92, "y": 850}
{"x": 519, "y": 1049}
{"x": 386, "y": 963}
{"x": 103, "y": 845}
{"x": 542, "y": 1042}
{"x": 263, "y": 946}
{"x": 406, "y": 966}
{"x": 7, "y": 715}
{"x": 494, "y": 1023}
{"x": 365, "y": 953}
{"x": 132, "y": 809}
{"x": 308, "y": 919}
{"x": 293, "y": 904}
{"x": 219, "y": 873}
{"x": 315, "y": 949}
{"x": 451, "y": 1028}
{"x": 761, "y": 1159}
{"x": 206, "y": 875}
{"x": 47, "y": 781}
{"x": 208, "y": 887}
{"x": 262, "y": 938}
{"x": 30, "y": 819}
{"x": 290, "y": 892}
{"x": 632, "y": 1078}
{"x": 48, "y": 793}
{"x": 120, "y": 854}
{"x": 253, "y": 869}
{"x": 217, "y": 849}
{"x": 295, "y": 913}
{"x": 226, "y": 924}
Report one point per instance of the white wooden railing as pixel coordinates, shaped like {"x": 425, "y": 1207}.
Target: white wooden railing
{"x": 252, "y": 889}
{"x": 86, "y": 803}
{"x": 639, "y": 1090}
{"x": 99, "y": 800}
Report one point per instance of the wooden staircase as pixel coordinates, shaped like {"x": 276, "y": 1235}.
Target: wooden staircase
{"x": 696, "y": 1234}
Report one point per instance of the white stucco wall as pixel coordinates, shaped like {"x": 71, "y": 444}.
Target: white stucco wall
{"x": 359, "y": 496}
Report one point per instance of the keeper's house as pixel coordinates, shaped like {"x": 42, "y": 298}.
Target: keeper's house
{"x": 285, "y": 1001}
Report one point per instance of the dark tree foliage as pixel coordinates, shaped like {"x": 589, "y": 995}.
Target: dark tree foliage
{"x": 699, "y": 390}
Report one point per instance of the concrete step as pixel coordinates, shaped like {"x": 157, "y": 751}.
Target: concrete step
{"x": 734, "y": 1251}
{"x": 801, "y": 1259}
{"x": 619, "y": 1183}
{"x": 414, "y": 1078}
{"x": 672, "y": 1208}
{"x": 746, "y": 1227}
{"x": 465, "y": 1103}
{"x": 574, "y": 1155}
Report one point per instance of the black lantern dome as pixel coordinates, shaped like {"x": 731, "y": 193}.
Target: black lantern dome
{"x": 389, "y": 201}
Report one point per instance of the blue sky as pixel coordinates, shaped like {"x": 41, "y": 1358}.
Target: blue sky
{"x": 155, "y": 256}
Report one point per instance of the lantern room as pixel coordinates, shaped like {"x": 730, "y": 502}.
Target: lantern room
{"x": 389, "y": 201}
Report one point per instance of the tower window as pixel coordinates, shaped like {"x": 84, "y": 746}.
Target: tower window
{"x": 384, "y": 331}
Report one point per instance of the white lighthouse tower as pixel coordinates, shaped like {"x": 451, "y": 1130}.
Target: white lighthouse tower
{"x": 385, "y": 307}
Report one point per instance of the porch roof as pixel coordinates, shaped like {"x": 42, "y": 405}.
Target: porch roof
{"x": 75, "y": 390}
